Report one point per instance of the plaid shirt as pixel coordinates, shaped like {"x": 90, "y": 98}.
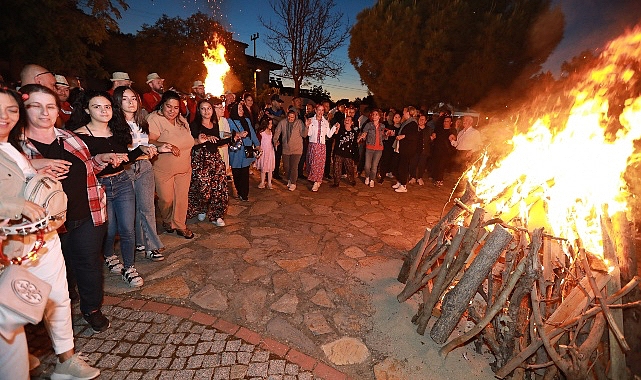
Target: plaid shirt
{"x": 75, "y": 146}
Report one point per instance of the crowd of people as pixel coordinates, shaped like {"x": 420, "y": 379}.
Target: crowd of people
{"x": 121, "y": 156}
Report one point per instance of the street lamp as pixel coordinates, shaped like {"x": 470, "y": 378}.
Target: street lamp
{"x": 255, "y": 89}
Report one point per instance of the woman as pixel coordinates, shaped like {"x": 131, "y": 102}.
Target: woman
{"x": 243, "y": 132}
{"x": 389, "y": 159}
{"x": 41, "y": 104}
{"x": 406, "y": 144}
{"x": 105, "y": 131}
{"x": 318, "y": 129}
{"x": 172, "y": 172}
{"x": 443, "y": 135}
{"x": 208, "y": 196}
{"x": 225, "y": 132}
{"x": 141, "y": 173}
{"x": 252, "y": 111}
{"x": 374, "y": 134}
{"x": 345, "y": 151}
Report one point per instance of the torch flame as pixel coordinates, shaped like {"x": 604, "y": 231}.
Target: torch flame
{"x": 217, "y": 67}
{"x": 575, "y": 169}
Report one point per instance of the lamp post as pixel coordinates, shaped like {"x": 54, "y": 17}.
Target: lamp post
{"x": 254, "y": 37}
{"x": 255, "y": 89}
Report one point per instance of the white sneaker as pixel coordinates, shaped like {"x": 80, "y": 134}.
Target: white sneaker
{"x": 389, "y": 175}
{"x": 75, "y": 367}
{"x": 396, "y": 185}
{"x": 291, "y": 187}
{"x": 371, "y": 183}
{"x": 366, "y": 180}
{"x": 420, "y": 182}
{"x": 261, "y": 185}
{"x": 219, "y": 222}
{"x": 131, "y": 277}
{"x": 201, "y": 217}
{"x": 401, "y": 189}
{"x": 114, "y": 265}
{"x": 316, "y": 186}
{"x": 412, "y": 181}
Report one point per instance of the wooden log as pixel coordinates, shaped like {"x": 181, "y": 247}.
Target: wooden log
{"x": 409, "y": 259}
{"x": 437, "y": 288}
{"x": 456, "y": 300}
{"x": 500, "y": 300}
{"x": 558, "y": 326}
{"x": 415, "y": 282}
{"x": 418, "y": 255}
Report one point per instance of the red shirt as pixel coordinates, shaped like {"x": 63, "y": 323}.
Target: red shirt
{"x": 150, "y": 100}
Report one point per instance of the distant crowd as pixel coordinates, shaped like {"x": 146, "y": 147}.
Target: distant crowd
{"x": 123, "y": 156}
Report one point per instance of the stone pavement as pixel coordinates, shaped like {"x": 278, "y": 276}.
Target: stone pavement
{"x": 272, "y": 295}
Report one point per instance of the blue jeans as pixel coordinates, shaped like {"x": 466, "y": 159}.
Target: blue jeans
{"x": 142, "y": 176}
{"x": 121, "y": 216}
{"x": 81, "y": 246}
{"x": 372, "y": 157}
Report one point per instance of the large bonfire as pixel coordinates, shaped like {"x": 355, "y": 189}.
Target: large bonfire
{"x": 536, "y": 251}
{"x": 217, "y": 67}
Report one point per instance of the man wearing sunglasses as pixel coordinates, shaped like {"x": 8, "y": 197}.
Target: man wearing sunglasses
{"x": 34, "y": 74}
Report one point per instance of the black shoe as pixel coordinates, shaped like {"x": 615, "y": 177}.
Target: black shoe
{"x": 168, "y": 228}
{"x": 97, "y": 321}
{"x": 186, "y": 233}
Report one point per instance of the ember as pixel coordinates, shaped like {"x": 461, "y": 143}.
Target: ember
{"x": 532, "y": 252}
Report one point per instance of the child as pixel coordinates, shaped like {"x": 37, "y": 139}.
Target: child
{"x": 266, "y": 162}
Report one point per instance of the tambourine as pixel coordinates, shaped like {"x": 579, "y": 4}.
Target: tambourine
{"x": 25, "y": 226}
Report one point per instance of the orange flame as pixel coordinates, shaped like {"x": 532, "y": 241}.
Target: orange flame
{"x": 574, "y": 171}
{"x": 217, "y": 67}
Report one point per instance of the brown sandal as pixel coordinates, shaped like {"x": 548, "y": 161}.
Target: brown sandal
{"x": 186, "y": 233}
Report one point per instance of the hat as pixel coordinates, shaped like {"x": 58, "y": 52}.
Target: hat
{"x": 153, "y": 76}
{"x": 61, "y": 80}
{"x": 197, "y": 84}
{"x": 119, "y": 75}
{"x": 277, "y": 98}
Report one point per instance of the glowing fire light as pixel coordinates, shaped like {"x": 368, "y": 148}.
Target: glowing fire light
{"x": 217, "y": 67}
{"x": 572, "y": 173}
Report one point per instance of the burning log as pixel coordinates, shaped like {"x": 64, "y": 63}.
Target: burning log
{"x": 456, "y": 300}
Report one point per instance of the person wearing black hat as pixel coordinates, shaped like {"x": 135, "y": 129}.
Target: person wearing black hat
{"x": 276, "y": 113}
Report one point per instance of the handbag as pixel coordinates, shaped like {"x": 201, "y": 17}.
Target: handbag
{"x": 24, "y": 295}
{"x": 252, "y": 152}
{"x": 47, "y": 192}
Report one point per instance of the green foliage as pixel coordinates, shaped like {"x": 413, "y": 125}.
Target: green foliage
{"x": 424, "y": 52}
{"x": 55, "y": 34}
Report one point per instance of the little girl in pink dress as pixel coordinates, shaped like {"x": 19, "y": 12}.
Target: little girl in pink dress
{"x": 267, "y": 161}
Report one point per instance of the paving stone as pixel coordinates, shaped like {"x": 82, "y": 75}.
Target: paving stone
{"x": 309, "y": 281}
{"x": 317, "y": 324}
{"x": 258, "y": 369}
{"x": 243, "y": 357}
{"x": 185, "y": 351}
{"x": 139, "y": 349}
{"x": 322, "y": 299}
{"x": 221, "y": 373}
{"x": 195, "y": 361}
{"x": 169, "y": 270}
{"x": 184, "y": 327}
{"x": 218, "y": 346}
{"x": 286, "y": 304}
{"x": 203, "y": 347}
{"x": 233, "y": 345}
{"x": 252, "y": 273}
{"x": 178, "y": 363}
{"x": 346, "y": 350}
{"x": 127, "y": 364}
{"x": 211, "y": 360}
{"x": 251, "y": 305}
{"x": 205, "y": 373}
{"x": 294, "y": 265}
{"x": 228, "y": 358}
{"x": 238, "y": 371}
{"x": 163, "y": 363}
{"x": 286, "y": 332}
{"x": 260, "y": 356}
{"x": 354, "y": 252}
{"x": 191, "y": 339}
{"x": 211, "y": 298}
{"x": 186, "y": 374}
{"x": 109, "y": 361}
{"x": 154, "y": 351}
{"x": 145, "y": 363}
{"x": 291, "y": 369}
{"x": 276, "y": 367}
{"x": 174, "y": 287}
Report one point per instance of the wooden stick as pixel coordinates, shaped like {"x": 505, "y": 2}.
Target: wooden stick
{"x": 500, "y": 300}
{"x": 419, "y": 255}
{"x": 599, "y": 296}
{"x": 456, "y": 300}
{"x": 555, "y": 332}
{"x": 414, "y": 283}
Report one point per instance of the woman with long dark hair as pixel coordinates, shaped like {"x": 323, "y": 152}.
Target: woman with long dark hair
{"x": 242, "y": 130}
{"x": 141, "y": 172}
{"x": 105, "y": 131}
{"x": 208, "y": 195}
{"x": 49, "y": 264}
{"x": 172, "y": 172}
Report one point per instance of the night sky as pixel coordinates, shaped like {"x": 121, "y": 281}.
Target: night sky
{"x": 589, "y": 25}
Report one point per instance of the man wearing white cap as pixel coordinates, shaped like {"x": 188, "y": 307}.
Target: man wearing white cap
{"x": 119, "y": 78}
{"x": 151, "y": 99}
{"x": 197, "y": 94}
{"x": 62, "y": 90}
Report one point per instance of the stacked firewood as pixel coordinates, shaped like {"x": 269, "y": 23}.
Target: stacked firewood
{"x": 541, "y": 304}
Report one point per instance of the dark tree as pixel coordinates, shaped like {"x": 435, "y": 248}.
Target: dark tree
{"x": 56, "y": 34}
{"x": 410, "y": 52}
{"x": 304, "y": 35}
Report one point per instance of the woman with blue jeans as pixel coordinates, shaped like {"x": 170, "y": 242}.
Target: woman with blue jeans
{"x": 373, "y": 134}
{"x": 105, "y": 131}
{"x": 141, "y": 173}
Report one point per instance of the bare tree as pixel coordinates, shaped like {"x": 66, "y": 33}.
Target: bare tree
{"x": 304, "y": 36}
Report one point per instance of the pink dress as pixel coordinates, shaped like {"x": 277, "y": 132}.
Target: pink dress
{"x": 267, "y": 161}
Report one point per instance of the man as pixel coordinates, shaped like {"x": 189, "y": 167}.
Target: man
{"x": 297, "y": 106}
{"x": 62, "y": 90}
{"x": 151, "y": 98}
{"x": 230, "y": 98}
{"x": 276, "y": 113}
{"x": 119, "y": 78}
{"x": 291, "y": 132}
{"x": 34, "y": 74}
{"x": 468, "y": 143}
{"x": 197, "y": 94}
{"x": 337, "y": 116}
